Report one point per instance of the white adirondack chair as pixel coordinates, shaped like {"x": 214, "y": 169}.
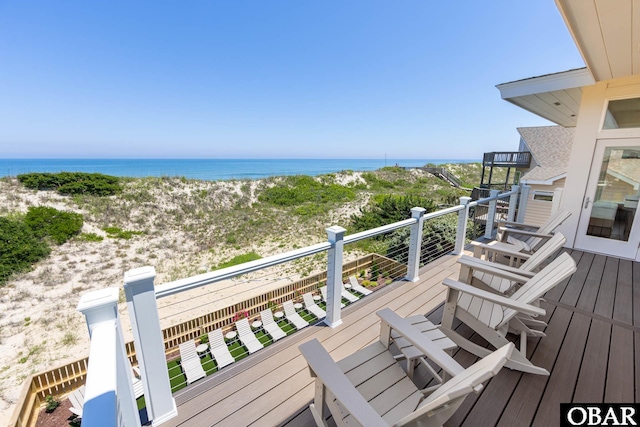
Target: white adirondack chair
{"x": 247, "y": 337}
{"x": 370, "y": 389}
{"x": 219, "y": 349}
{"x": 190, "y": 362}
{"x": 491, "y": 315}
{"x": 269, "y": 325}
{"x": 311, "y": 306}
{"x": 358, "y": 287}
{"x": 503, "y": 278}
{"x": 411, "y": 354}
{"x": 292, "y": 316}
{"x": 526, "y": 237}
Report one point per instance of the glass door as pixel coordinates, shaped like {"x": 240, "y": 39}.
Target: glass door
{"x": 608, "y": 219}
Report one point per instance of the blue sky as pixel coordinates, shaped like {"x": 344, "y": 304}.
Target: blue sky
{"x": 275, "y": 79}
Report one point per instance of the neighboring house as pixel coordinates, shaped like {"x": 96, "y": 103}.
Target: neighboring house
{"x": 550, "y": 148}
{"x": 602, "y": 104}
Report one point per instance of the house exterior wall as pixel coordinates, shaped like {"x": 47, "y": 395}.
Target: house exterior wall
{"x": 538, "y": 211}
{"x": 588, "y": 131}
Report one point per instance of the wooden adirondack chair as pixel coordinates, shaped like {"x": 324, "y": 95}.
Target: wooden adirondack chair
{"x": 502, "y": 278}
{"x": 247, "y": 337}
{"x": 411, "y": 354}
{"x": 526, "y": 237}
{"x": 219, "y": 349}
{"x": 491, "y": 315}
{"x": 271, "y": 326}
{"x": 294, "y": 318}
{"x": 370, "y": 389}
{"x": 190, "y": 362}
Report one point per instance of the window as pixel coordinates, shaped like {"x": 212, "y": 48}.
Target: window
{"x": 623, "y": 113}
{"x": 543, "y": 196}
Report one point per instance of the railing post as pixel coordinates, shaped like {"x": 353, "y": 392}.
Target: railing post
{"x": 147, "y": 335}
{"x": 513, "y": 203}
{"x": 461, "y": 233}
{"x": 334, "y": 275}
{"x": 522, "y": 205}
{"x": 557, "y": 198}
{"x": 491, "y": 214}
{"x": 415, "y": 244}
{"x": 109, "y": 381}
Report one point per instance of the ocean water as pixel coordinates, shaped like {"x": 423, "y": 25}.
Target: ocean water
{"x": 207, "y": 169}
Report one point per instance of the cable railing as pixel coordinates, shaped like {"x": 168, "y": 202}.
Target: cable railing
{"x": 407, "y": 245}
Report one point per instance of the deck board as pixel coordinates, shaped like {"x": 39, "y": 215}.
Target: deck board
{"x": 592, "y": 350}
{"x": 591, "y": 286}
{"x": 623, "y": 306}
{"x": 607, "y": 290}
{"x": 620, "y": 381}
{"x": 562, "y": 382}
{"x": 523, "y": 404}
{"x": 593, "y": 372}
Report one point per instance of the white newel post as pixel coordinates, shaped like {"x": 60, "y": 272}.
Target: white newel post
{"x": 415, "y": 243}
{"x": 522, "y": 205}
{"x": 147, "y": 335}
{"x": 109, "y": 379}
{"x": 334, "y": 275}
{"x": 491, "y": 214}
{"x": 513, "y": 203}
{"x": 461, "y": 233}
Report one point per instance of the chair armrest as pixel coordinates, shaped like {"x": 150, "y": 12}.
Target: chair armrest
{"x": 497, "y": 248}
{"x": 498, "y": 299}
{"x": 513, "y": 224}
{"x": 525, "y": 233}
{"x": 323, "y": 367}
{"x": 503, "y": 271}
{"x": 422, "y": 343}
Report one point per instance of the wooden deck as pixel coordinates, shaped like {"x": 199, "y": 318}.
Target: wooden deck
{"x": 594, "y": 329}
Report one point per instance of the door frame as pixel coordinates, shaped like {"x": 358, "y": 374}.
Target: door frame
{"x": 622, "y": 249}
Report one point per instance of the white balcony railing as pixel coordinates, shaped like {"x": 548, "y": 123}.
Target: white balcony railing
{"x": 108, "y": 396}
{"x": 109, "y": 379}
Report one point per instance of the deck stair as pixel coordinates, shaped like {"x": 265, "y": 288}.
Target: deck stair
{"x": 444, "y": 175}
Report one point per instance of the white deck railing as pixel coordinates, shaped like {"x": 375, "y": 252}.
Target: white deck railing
{"x": 142, "y": 295}
{"x": 108, "y": 397}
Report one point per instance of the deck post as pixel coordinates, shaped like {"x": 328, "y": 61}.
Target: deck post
{"x": 557, "y": 198}
{"x": 415, "y": 243}
{"x": 109, "y": 379}
{"x": 461, "y": 233}
{"x": 522, "y": 205}
{"x": 513, "y": 202}
{"x": 491, "y": 214}
{"x": 147, "y": 335}
{"x": 334, "y": 275}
